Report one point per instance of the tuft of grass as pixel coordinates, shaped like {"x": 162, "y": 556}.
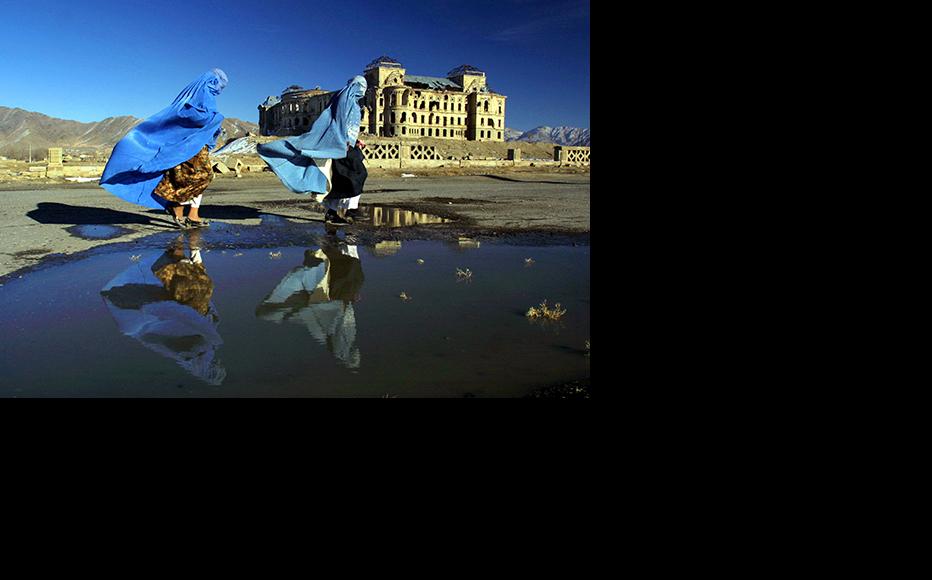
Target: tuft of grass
{"x": 545, "y": 312}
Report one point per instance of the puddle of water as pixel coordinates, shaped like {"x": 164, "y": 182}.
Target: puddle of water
{"x": 324, "y": 319}
{"x": 97, "y": 231}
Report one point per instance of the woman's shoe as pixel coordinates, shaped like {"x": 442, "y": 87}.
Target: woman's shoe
{"x": 180, "y": 223}
{"x": 355, "y": 215}
{"x": 201, "y": 223}
{"x": 333, "y": 218}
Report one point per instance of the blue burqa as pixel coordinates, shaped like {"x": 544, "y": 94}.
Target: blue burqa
{"x": 168, "y": 138}
{"x": 338, "y": 125}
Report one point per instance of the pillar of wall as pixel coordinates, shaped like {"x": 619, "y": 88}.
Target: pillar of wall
{"x": 55, "y": 166}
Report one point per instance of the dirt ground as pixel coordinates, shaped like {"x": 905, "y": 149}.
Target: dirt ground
{"x": 40, "y": 221}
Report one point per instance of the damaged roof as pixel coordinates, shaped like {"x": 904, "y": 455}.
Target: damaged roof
{"x": 435, "y": 83}
{"x": 384, "y": 61}
{"x": 465, "y": 69}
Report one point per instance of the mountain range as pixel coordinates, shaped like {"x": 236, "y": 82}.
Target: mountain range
{"x": 569, "y": 136}
{"x": 20, "y": 129}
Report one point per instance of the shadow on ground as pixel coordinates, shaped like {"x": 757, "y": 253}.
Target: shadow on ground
{"x": 60, "y": 213}
{"x": 236, "y": 212}
{"x": 503, "y": 178}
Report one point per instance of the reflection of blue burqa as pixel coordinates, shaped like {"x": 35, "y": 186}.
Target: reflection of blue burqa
{"x": 143, "y": 310}
{"x": 168, "y": 138}
{"x": 292, "y": 159}
{"x": 319, "y": 295}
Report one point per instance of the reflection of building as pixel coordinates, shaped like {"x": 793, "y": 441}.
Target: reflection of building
{"x": 395, "y": 217}
{"x": 460, "y": 106}
{"x": 386, "y": 248}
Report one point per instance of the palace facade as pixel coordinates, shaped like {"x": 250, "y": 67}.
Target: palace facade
{"x": 459, "y": 106}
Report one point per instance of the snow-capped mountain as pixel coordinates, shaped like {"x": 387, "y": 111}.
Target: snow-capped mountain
{"x": 569, "y": 136}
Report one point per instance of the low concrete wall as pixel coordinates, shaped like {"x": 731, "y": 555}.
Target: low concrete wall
{"x": 83, "y": 170}
{"x": 414, "y": 164}
{"x": 401, "y": 154}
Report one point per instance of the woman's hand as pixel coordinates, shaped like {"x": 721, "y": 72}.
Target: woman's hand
{"x": 360, "y": 144}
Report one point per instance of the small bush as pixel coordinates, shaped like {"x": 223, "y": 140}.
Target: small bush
{"x": 545, "y": 312}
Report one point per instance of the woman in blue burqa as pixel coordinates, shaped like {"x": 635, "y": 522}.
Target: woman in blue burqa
{"x": 328, "y": 158}
{"x": 164, "y": 161}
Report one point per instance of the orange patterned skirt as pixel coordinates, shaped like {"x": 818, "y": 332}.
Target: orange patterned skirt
{"x": 186, "y": 181}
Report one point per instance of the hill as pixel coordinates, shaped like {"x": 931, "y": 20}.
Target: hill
{"x": 21, "y": 129}
{"x": 569, "y": 136}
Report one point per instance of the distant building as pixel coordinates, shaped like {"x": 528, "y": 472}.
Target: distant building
{"x": 460, "y": 106}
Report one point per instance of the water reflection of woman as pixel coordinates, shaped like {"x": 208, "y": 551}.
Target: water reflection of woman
{"x": 319, "y": 294}
{"x": 164, "y": 301}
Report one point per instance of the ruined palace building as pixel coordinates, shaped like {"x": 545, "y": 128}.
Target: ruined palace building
{"x": 460, "y": 106}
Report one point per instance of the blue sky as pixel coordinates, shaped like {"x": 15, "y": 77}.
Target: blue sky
{"x": 91, "y": 59}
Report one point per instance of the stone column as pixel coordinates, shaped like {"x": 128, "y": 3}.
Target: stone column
{"x": 55, "y": 168}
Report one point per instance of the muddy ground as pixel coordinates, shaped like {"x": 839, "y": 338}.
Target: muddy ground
{"x": 48, "y": 222}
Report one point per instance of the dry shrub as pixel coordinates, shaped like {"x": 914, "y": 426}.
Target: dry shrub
{"x": 545, "y": 312}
